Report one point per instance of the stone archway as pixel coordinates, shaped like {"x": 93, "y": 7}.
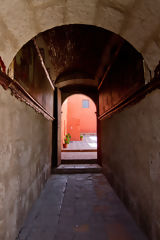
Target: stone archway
{"x": 133, "y": 20}
{"x": 61, "y": 96}
{"x": 136, "y": 21}
{"x": 75, "y": 110}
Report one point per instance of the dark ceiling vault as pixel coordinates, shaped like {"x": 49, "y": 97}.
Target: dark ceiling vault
{"x": 83, "y": 51}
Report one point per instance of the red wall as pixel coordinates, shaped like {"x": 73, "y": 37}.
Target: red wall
{"x": 64, "y": 120}
{"x": 79, "y": 120}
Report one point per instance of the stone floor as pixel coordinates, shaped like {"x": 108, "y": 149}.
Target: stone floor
{"x": 79, "y": 207}
{"x": 89, "y": 143}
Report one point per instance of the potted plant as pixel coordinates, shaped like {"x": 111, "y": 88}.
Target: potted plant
{"x": 66, "y": 142}
{"x": 81, "y": 137}
{"x": 68, "y": 135}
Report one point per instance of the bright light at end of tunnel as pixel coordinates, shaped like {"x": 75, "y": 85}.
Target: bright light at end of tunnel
{"x": 92, "y": 145}
{"x": 93, "y": 138}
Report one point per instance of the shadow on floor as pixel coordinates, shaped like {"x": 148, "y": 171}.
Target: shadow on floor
{"x": 79, "y": 207}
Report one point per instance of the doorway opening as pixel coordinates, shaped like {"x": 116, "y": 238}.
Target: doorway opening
{"x": 78, "y": 128}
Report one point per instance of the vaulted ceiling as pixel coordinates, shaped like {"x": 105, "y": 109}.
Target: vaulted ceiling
{"x": 83, "y": 53}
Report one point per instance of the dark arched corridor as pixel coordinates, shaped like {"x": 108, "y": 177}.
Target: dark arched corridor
{"x": 114, "y": 61}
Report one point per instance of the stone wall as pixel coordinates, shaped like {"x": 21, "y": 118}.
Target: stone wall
{"x": 131, "y": 159}
{"x": 25, "y": 159}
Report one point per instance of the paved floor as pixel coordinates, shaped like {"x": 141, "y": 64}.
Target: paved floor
{"x": 79, "y": 207}
{"x": 89, "y": 142}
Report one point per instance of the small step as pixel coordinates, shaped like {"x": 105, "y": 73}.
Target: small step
{"x": 78, "y": 161}
{"x": 77, "y": 168}
{"x": 79, "y": 150}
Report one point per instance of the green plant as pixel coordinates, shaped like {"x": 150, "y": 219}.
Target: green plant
{"x": 68, "y": 135}
{"x": 66, "y": 140}
{"x": 81, "y": 136}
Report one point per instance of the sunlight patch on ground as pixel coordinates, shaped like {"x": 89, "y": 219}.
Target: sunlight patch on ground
{"x": 93, "y": 138}
{"x": 93, "y": 145}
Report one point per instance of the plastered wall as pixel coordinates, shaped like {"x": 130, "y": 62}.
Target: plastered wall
{"x": 64, "y": 120}
{"x": 25, "y": 158}
{"x": 130, "y": 142}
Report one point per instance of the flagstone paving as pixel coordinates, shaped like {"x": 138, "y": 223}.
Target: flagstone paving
{"x": 79, "y": 207}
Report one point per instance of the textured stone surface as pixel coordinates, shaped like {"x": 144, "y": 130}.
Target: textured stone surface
{"x": 106, "y": 18}
{"x": 75, "y": 52}
{"x": 135, "y": 20}
{"x": 130, "y": 156}
{"x": 25, "y": 157}
{"x": 79, "y": 207}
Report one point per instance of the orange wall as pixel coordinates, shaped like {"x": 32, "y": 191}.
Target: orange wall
{"x": 73, "y": 126}
{"x": 78, "y": 119}
{"x": 64, "y": 120}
